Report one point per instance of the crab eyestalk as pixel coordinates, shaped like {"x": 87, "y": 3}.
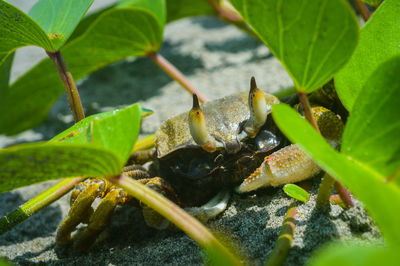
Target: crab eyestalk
{"x": 198, "y": 128}
{"x": 258, "y": 110}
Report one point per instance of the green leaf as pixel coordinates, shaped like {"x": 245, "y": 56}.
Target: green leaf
{"x": 372, "y": 131}
{"x": 177, "y": 9}
{"x": 354, "y": 254}
{"x": 115, "y": 130}
{"x": 114, "y": 35}
{"x": 379, "y": 198}
{"x": 17, "y": 30}
{"x": 5, "y": 71}
{"x": 58, "y": 18}
{"x": 296, "y": 192}
{"x": 312, "y": 38}
{"x": 157, "y": 7}
{"x": 26, "y": 164}
{"x": 379, "y": 41}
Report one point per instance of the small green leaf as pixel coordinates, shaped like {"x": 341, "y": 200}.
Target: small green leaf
{"x": 372, "y": 130}
{"x": 134, "y": 31}
{"x": 312, "y": 38}
{"x": 296, "y": 192}
{"x": 26, "y": 164}
{"x": 58, "y": 18}
{"x": 115, "y": 130}
{"x": 17, "y": 30}
{"x": 177, "y": 9}
{"x": 354, "y": 253}
{"x": 379, "y": 198}
{"x": 379, "y": 41}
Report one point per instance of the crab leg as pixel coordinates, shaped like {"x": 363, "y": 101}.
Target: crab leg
{"x": 100, "y": 219}
{"x": 212, "y": 208}
{"x": 288, "y": 165}
{"x": 80, "y": 209}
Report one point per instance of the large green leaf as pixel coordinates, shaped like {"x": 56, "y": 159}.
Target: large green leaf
{"x": 31, "y": 163}
{"x": 157, "y": 7}
{"x": 114, "y": 35}
{"x": 17, "y": 30}
{"x": 312, "y": 38}
{"x": 373, "y": 128}
{"x": 364, "y": 182}
{"x": 354, "y": 253}
{"x": 115, "y": 130}
{"x": 58, "y": 18}
{"x": 177, "y": 9}
{"x": 379, "y": 41}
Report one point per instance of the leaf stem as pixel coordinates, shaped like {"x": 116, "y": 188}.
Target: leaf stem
{"x": 307, "y": 109}
{"x": 69, "y": 85}
{"x": 324, "y": 191}
{"x": 37, "y": 203}
{"x": 285, "y": 238}
{"x": 232, "y": 18}
{"x": 144, "y": 143}
{"x": 179, "y": 217}
{"x": 362, "y": 8}
{"x": 344, "y": 194}
{"x": 172, "y": 71}
{"x": 335, "y": 199}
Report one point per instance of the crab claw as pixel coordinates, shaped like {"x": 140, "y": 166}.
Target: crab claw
{"x": 259, "y": 110}
{"x": 198, "y": 128}
{"x": 288, "y": 165}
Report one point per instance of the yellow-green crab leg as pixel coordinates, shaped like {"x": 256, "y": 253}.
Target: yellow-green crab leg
{"x": 99, "y": 219}
{"x": 78, "y": 212}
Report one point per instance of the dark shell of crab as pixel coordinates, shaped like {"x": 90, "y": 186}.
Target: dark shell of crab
{"x": 223, "y": 117}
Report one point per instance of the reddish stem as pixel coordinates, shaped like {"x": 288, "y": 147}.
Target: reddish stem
{"x": 176, "y": 74}
{"x": 224, "y": 13}
{"x": 69, "y": 85}
{"x": 363, "y": 9}
{"x": 307, "y": 109}
{"x": 344, "y": 194}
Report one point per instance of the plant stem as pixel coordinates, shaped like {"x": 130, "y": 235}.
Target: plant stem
{"x": 324, "y": 191}
{"x": 172, "y": 71}
{"x": 362, "y": 8}
{"x": 344, "y": 194}
{"x": 179, "y": 217}
{"x": 232, "y": 18}
{"x": 144, "y": 143}
{"x": 335, "y": 199}
{"x": 285, "y": 238}
{"x": 307, "y": 109}
{"x": 37, "y": 203}
{"x": 69, "y": 85}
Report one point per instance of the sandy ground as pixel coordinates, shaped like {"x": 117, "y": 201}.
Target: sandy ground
{"x": 218, "y": 59}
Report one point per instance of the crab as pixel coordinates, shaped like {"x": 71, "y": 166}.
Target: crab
{"x": 198, "y": 156}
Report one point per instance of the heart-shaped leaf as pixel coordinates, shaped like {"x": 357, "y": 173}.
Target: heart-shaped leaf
{"x": 114, "y": 35}
{"x": 296, "y": 192}
{"x": 379, "y": 41}
{"x": 31, "y": 163}
{"x": 58, "y": 18}
{"x": 312, "y": 38}
{"x": 17, "y": 29}
{"x": 157, "y": 7}
{"x": 115, "y": 130}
